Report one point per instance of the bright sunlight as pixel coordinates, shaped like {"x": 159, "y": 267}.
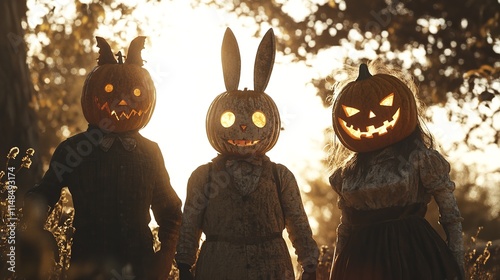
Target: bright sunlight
{"x": 185, "y": 63}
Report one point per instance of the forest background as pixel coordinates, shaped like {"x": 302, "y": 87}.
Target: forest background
{"x": 451, "y": 48}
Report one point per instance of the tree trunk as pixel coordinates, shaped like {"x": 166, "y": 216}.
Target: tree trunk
{"x": 18, "y": 125}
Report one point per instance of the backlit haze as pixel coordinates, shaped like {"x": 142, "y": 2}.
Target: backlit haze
{"x": 183, "y": 55}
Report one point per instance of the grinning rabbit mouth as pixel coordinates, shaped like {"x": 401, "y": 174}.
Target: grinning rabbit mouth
{"x": 243, "y": 142}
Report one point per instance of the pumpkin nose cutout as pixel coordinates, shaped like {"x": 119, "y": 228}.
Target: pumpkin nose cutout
{"x": 123, "y": 102}
{"x": 372, "y": 115}
{"x": 243, "y": 127}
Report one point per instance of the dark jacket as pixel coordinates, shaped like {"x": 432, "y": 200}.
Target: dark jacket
{"x": 113, "y": 192}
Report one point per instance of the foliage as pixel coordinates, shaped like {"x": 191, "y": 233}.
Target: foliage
{"x": 59, "y": 63}
{"x": 59, "y": 221}
{"x": 60, "y": 224}
{"x": 475, "y": 208}
{"x": 437, "y": 43}
{"x": 453, "y": 40}
{"x": 61, "y": 56}
{"x": 454, "y": 54}
{"x": 477, "y": 108}
{"x": 479, "y": 260}
{"x": 10, "y": 215}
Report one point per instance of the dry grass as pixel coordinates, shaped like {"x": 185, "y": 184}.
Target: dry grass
{"x": 482, "y": 259}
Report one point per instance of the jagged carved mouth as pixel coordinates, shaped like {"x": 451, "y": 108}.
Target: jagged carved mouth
{"x": 371, "y": 130}
{"x": 242, "y": 142}
{"x": 122, "y": 115}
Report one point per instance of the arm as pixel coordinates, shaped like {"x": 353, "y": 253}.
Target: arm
{"x": 452, "y": 224}
{"x": 434, "y": 174}
{"x": 296, "y": 222}
{"x": 343, "y": 230}
{"x": 34, "y": 240}
{"x": 166, "y": 207}
{"x": 46, "y": 193}
{"x": 192, "y": 219}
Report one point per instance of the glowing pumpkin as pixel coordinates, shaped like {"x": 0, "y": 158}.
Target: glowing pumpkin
{"x": 244, "y": 122}
{"x": 374, "y": 112}
{"x": 120, "y": 94}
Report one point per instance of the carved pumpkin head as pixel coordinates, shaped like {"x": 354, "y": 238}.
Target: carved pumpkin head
{"x": 244, "y": 122}
{"x": 120, "y": 93}
{"x": 374, "y": 112}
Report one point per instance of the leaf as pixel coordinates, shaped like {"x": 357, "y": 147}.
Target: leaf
{"x": 485, "y": 96}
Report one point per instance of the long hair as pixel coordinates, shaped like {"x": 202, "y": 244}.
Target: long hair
{"x": 340, "y": 156}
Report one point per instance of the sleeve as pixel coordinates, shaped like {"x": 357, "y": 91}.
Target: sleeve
{"x": 44, "y": 195}
{"x": 192, "y": 218}
{"x": 336, "y": 181}
{"x": 296, "y": 221}
{"x": 342, "y": 230}
{"x": 435, "y": 178}
{"x": 166, "y": 207}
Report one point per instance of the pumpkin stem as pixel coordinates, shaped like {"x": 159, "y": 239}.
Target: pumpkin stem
{"x": 363, "y": 72}
{"x": 120, "y": 57}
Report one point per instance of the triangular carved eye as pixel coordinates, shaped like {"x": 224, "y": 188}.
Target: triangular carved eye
{"x": 388, "y": 100}
{"x": 350, "y": 111}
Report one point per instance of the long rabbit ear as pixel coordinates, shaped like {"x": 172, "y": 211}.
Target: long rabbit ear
{"x": 134, "y": 51}
{"x": 231, "y": 61}
{"x": 264, "y": 61}
{"x": 105, "y": 54}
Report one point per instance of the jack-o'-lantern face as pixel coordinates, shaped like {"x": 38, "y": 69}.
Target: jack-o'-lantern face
{"x": 244, "y": 122}
{"x": 377, "y": 126}
{"x": 123, "y": 94}
{"x": 374, "y": 112}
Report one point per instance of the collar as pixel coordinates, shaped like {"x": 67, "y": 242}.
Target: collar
{"x": 256, "y": 160}
{"x": 127, "y": 139}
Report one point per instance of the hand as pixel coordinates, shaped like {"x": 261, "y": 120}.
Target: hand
{"x": 37, "y": 253}
{"x": 309, "y": 273}
{"x": 160, "y": 268}
{"x": 185, "y": 271}
{"x": 460, "y": 258}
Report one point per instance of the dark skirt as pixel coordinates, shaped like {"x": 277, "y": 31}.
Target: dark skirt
{"x": 393, "y": 243}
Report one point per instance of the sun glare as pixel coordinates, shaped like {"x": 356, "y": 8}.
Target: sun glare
{"x": 184, "y": 62}
{"x": 182, "y": 54}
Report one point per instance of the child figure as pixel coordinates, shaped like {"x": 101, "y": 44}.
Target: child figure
{"x": 241, "y": 200}
{"x": 386, "y": 183}
{"x": 115, "y": 176}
